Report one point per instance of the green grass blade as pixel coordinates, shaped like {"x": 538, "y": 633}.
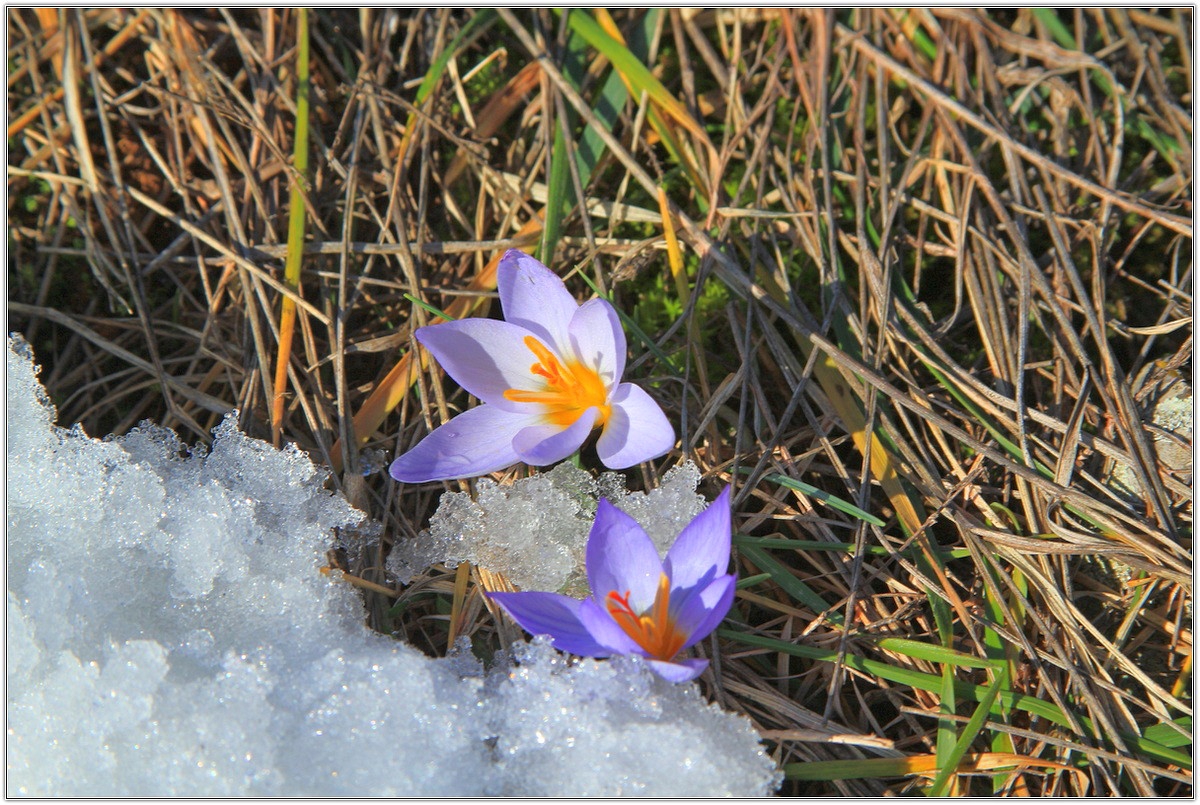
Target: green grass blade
{"x": 946, "y": 735}
{"x": 857, "y": 769}
{"x": 428, "y": 308}
{"x": 558, "y": 185}
{"x": 474, "y": 27}
{"x": 832, "y": 501}
{"x": 1168, "y": 734}
{"x": 295, "y": 239}
{"x": 750, "y": 581}
{"x": 949, "y": 764}
{"x": 631, "y": 67}
{"x": 1061, "y": 33}
{"x": 967, "y": 690}
{"x": 932, "y": 652}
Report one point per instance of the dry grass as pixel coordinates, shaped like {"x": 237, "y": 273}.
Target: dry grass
{"x": 935, "y": 264}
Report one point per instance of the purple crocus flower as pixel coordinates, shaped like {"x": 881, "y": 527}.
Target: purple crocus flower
{"x": 548, "y": 375}
{"x": 640, "y": 604}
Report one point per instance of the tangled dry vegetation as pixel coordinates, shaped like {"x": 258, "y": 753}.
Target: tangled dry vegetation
{"x": 918, "y": 284}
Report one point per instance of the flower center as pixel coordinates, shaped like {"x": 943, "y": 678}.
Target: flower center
{"x": 568, "y": 391}
{"x": 655, "y": 631}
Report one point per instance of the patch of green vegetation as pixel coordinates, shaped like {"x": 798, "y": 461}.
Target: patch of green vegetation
{"x": 486, "y": 82}
{"x": 658, "y": 305}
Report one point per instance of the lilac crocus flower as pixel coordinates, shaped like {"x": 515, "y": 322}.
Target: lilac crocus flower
{"x": 548, "y": 375}
{"x": 640, "y": 604}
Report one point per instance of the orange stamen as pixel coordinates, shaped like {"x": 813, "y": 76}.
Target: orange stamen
{"x": 655, "y": 631}
{"x": 568, "y": 391}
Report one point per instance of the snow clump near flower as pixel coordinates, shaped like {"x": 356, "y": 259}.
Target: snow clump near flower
{"x": 535, "y": 530}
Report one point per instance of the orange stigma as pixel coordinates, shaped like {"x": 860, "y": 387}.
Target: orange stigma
{"x": 568, "y": 391}
{"x": 654, "y": 631}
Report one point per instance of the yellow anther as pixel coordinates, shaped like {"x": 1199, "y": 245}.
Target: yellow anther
{"x": 569, "y": 389}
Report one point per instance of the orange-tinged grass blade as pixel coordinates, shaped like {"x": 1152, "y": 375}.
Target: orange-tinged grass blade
{"x": 393, "y": 388}
{"x": 341, "y": 575}
{"x": 48, "y": 19}
{"x": 461, "y": 576}
{"x": 1185, "y": 677}
{"x": 674, "y": 254}
{"x": 498, "y": 110}
{"x": 883, "y": 467}
{"x": 924, "y": 765}
{"x": 675, "y": 260}
{"x": 295, "y": 253}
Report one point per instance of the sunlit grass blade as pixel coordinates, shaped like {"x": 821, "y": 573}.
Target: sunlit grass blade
{"x": 883, "y": 467}
{"x": 461, "y": 576}
{"x": 1172, "y": 734}
{"x": 428, "y": 308}
{"x": 679, "y": 276}
{"x": 295, "y": 242}
{"x": 933, "y": 653}
{"x": 639, "y": 76}
{"x": 1000, "y": 650}
{"x": 946, "y": 735}
{"x": 664, "y": 127}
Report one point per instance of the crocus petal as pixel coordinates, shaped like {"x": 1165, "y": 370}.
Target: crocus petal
{"x": 555, "y": 615}
{"x": 702, "y": 550}
{"x": 475, "y": 442}
{"x": 599, "y": 341}
{"x": 680, "y": 671}
{"x": 541, "y": 444}
{"x": 702, "y": 609}
{"x": 636, "y": 430}
{"x": 605, "y": 630}
{"x": 532, "y": 296}
{"x": 485, "y": 357}
{"x": 621, "y": 558}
